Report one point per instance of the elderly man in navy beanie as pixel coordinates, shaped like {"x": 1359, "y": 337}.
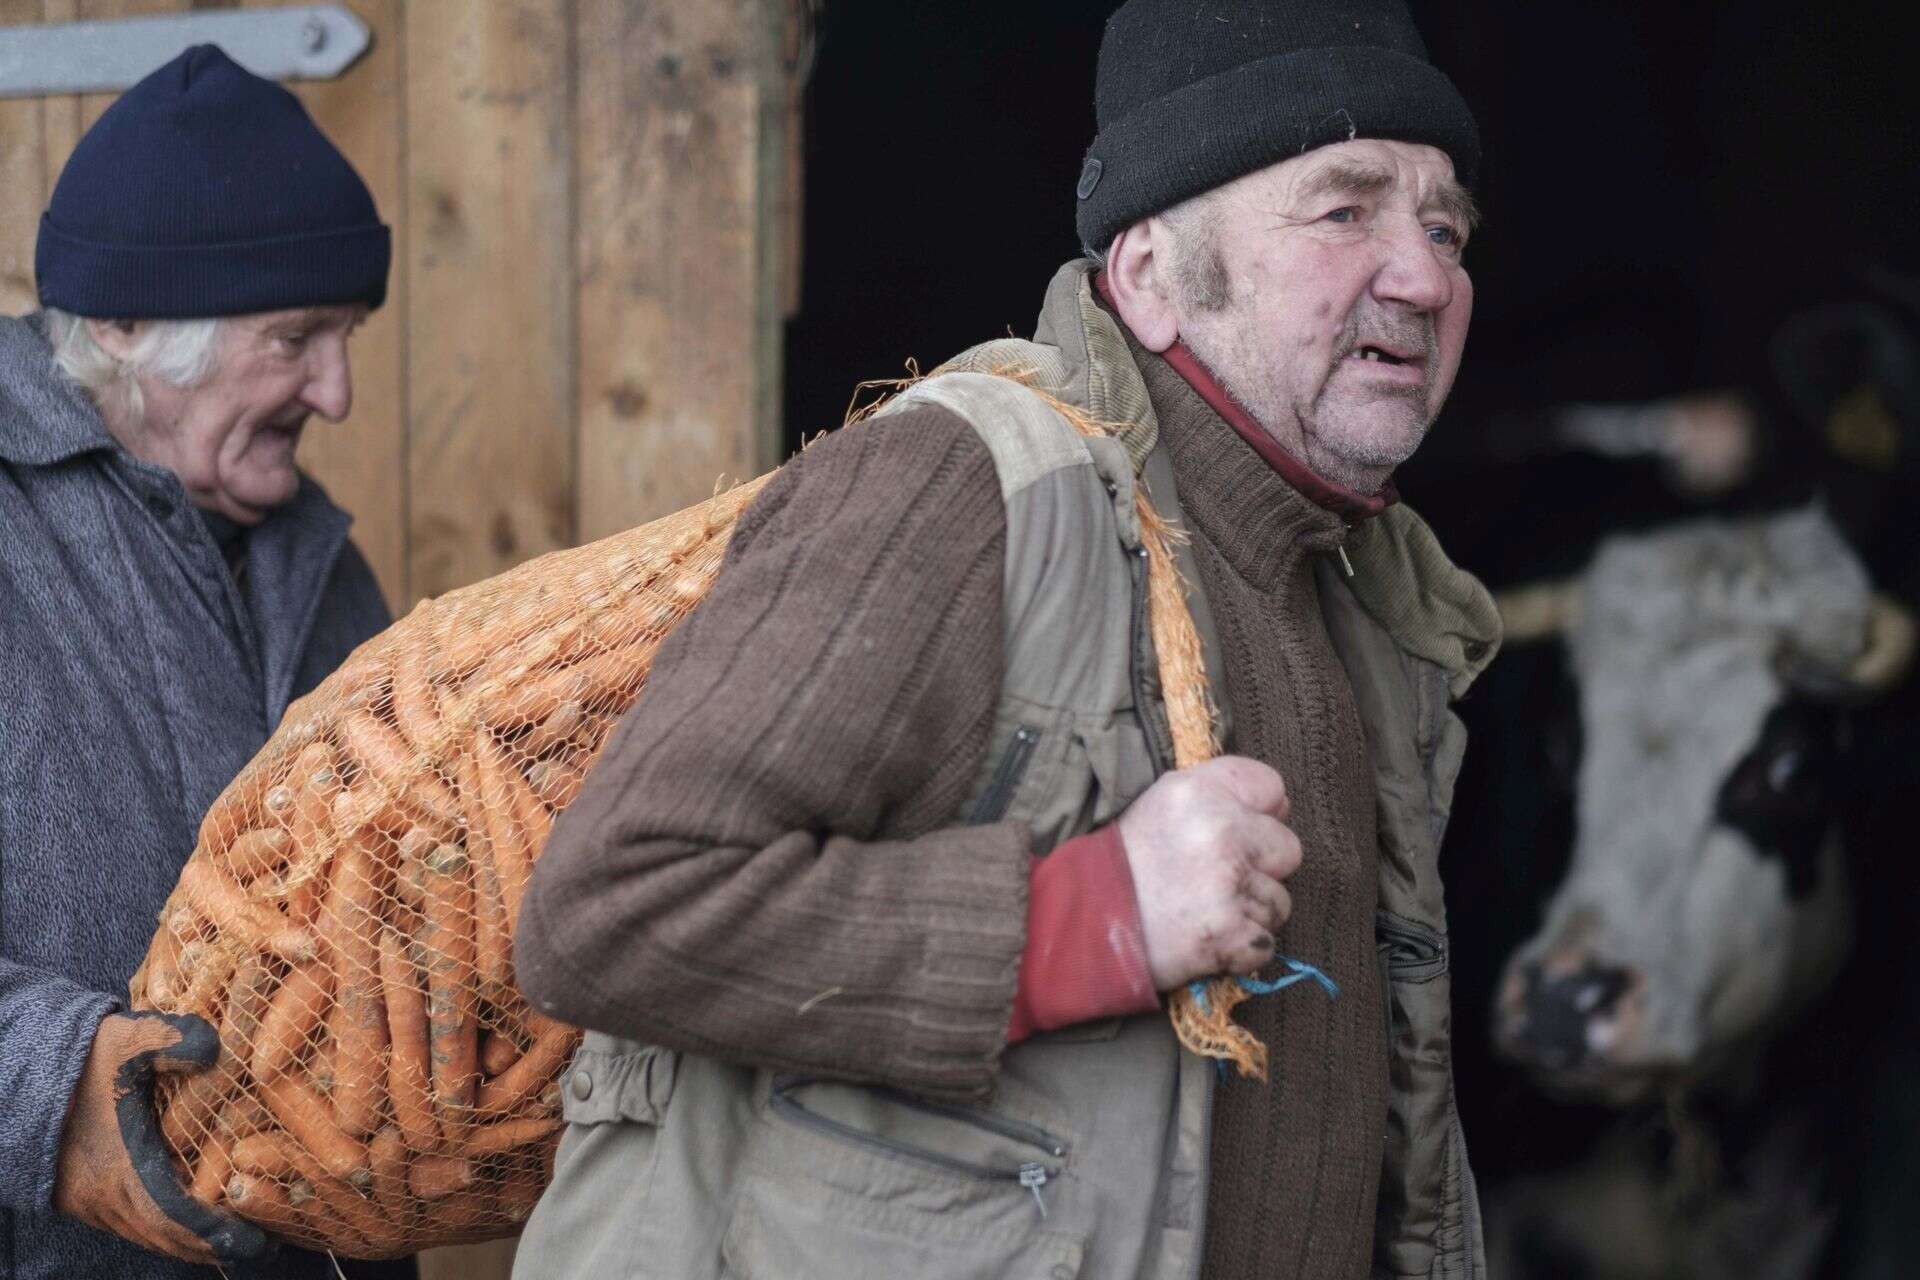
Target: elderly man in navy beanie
{"x": 931, "y": 656}
{"x": 172, "y": 581}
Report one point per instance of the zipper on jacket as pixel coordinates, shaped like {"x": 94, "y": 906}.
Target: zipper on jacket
{"x": 993, "y": 802}
{"x": 1150, "y": 709}
{"x": 1031, "y": 1174}
{"x": 1413, "y": 952}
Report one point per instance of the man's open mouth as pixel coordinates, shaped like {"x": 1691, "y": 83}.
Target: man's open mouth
{"x": 1383, "y": 355}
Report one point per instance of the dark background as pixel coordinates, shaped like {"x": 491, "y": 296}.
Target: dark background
{"x": 1663, "y": 183}
{"x": 1663, "y": 187}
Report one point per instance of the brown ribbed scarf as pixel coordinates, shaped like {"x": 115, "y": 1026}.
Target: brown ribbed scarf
{"x": 1296, "y": 1162}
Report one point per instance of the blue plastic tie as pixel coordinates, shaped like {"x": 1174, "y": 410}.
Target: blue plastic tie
{"x": 1266, "y": 987}
{"x": 1301, "y": 971}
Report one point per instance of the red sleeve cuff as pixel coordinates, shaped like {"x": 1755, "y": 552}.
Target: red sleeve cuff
{"x": 1086, "y": 954}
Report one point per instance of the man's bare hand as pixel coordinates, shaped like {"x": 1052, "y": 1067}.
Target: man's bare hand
{"x": 112, "y": 1165}
{"x": 1209, "y": 847}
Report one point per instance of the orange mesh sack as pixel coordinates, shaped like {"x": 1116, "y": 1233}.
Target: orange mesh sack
{"x": 345, "y": 919}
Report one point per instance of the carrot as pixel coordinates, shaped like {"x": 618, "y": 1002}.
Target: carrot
{"x": 247, "y": 1001}
{"x": 245, "y": 1116}
{"x": 555, "y": 731}
{"x": 187, "y": 1116}
{"x": 500, "y": 810}
{"x": 416, "y": 709}
{"x": 218, "y": 897}
{"x": 434, "y": 1177}
{"x": 373, "y": 808}
{"x": 384, "y": 757}
{"x": 356, "y": 1025}
{"x": 264, "y": 1201}
{"x": 239, "y": 807}
{"x": 452, "y": 1014}
{"x": 210, "y": 1176}
{"x": 259, "y": 852}
{"x": 388, "y": 1154}
{"x": 207, "y": 985}
{"x": 605, "y": 679}
{"x": 497, "y": 1052}
{"x": 535, "y": 824}
{"x": 505, "y": 1135}
{"x": 309, "y": 1122}
{"x": 158, "y": 978}
{"x": 340, "y": 1215}
{"x": 552, "y": 1045}
{"x": 291, "y": 1017}
{"x": 559, "y": 643}
{"x": 408, "y": 1070}
{"x": 316, "y": 779}
{"x": 264, "y": 1155}
{"x": 556, "y": 782}
{"x": 493, "y": 935}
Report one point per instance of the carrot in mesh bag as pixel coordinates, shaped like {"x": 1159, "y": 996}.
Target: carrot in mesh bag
{"x": 345, "y": 919}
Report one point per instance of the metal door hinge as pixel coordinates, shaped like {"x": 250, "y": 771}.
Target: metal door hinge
{"x": 301, "y": 42}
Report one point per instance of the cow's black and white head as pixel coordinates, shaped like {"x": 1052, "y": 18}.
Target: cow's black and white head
{"x": 1707, "y": 897}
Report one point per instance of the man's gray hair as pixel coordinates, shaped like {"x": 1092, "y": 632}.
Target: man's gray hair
{"x": 1194, "y": 267}
{"x": 180, "y": 352}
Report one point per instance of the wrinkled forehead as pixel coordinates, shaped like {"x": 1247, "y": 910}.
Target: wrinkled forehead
{"x": 1372, "y": 167}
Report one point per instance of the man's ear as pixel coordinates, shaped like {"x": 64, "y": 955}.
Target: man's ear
{"x": 1138, "y": 281}
{"x": 115, "y": 337}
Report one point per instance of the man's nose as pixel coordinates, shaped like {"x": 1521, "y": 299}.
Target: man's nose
{"x": 329, "y": 389}
{"x": 1413, "y": 274}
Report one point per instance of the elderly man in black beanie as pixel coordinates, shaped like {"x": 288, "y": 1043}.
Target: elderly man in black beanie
{"x": 870, "y": 903}
{"x": 172, "y": 582}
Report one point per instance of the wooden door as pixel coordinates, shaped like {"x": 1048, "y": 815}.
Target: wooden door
{"x": 593, "y": 206}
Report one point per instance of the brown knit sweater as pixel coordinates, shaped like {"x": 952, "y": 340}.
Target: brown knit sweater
{"x": 767, "y": 828}
{"x": 1296, "y": 1162}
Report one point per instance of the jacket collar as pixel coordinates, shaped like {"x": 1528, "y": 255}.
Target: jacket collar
{"x": 44, "y": 419}
{"x": 290, "y": 557}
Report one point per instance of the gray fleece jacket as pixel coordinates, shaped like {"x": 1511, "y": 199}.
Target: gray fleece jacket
{"x": 136, "y": 678}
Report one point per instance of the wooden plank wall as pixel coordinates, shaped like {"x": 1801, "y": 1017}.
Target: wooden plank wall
{"x": 594, "y": 205}
{"x": 593, "y": 214}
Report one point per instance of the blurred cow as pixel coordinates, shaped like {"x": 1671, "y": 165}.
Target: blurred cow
{"x": 1718, "y": 666}
{"x": 1707, "y": 897}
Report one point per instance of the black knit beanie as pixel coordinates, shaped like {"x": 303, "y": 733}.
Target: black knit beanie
{"x": 208, "y": 191}
{"x": 1192, "y": 94}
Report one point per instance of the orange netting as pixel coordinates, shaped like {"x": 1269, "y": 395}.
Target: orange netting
{"x": 346, "y": 918}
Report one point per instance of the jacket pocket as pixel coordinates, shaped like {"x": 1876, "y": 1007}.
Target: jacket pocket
{"x": 855, "y": 1182}
{"x": 1414, "y": 1192}
{"x": 1410, "y": 951}
{"x": 597, "y": 1215}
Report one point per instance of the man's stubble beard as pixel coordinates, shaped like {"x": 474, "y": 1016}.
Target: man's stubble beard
{"x": 1222, "y": 334}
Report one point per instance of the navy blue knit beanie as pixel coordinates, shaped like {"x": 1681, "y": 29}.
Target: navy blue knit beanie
{"x": 208, "y": 191}
{"x": 1191, "y": 94}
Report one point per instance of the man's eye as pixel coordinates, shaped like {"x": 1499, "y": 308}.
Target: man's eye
{"x": 291, "y": 343}
{"x": 1348, "y": 213}
{"x": 1444, "y": 236}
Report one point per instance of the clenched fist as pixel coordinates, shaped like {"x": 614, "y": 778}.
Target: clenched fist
{"x": 1208, "y": 848}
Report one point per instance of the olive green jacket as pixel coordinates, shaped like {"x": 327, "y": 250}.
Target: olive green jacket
{"x": 1091, "y": 1159}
